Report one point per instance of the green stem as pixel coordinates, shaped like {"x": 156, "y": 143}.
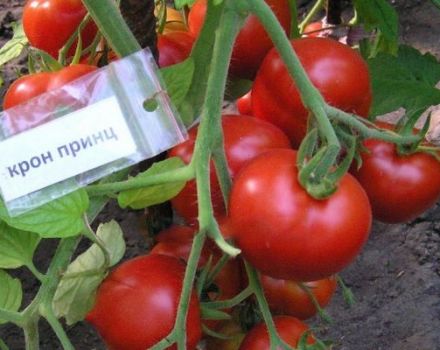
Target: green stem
{"x": 32, "y": 268}
{"x": 367, "y": 129}
{"x": 221, "y": 168}
{"x": 226, "y": 304}
{"x": 11, "y": 316}
{"x": 107, "y": 16}
{"x": 47, "y": 312}
{"x": 63, "y": 52}
{"x": 255, "y": 285}
{"x": 294, "y": 29}
{"x": 178, "y": 335}
{"x": 182, "y": 174}
{"x": 319, "y": 4}
{"x": 90, "y": 234}
{"x": 3, "y": 345}
{"x": 31, "y": 336}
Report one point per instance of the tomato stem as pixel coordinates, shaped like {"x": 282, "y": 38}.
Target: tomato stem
{"x": 319, "y": 4}
{"x": 255, "y": 284}
{"x": 226, "y": 304}
{"x": 182, "y": 174}
{"x": 47, "y": 312}
{"x": 294, "y": 29}
{"x": 107, "y": 16}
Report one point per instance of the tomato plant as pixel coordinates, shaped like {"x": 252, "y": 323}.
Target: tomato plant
{"x": 245, "y": 137}
{"x": 244, "y": 104}
{"x": 289, "y": 297}
{"x": 234, "y": 333}
{"x": 252, "y": 42}
{"x": 400, "y": 186}
{"x": 136, "y": 305}
{"x": 174, "y": 47}
{"x": 48, "y": 24}
{"x": 336, "y": 70}
{"x": 289, "y": 328}
{"x": 287, "y": 234}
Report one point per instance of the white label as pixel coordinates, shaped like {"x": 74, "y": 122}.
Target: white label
{"x": 65, "y": 147}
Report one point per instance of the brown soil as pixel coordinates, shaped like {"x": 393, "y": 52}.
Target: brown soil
{"x": 396, "y": 280}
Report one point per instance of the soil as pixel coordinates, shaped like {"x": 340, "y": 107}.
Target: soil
{"x": 396, "y": 280}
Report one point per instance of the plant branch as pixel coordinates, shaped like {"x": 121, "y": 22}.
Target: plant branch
{"x": 319, "y": 4}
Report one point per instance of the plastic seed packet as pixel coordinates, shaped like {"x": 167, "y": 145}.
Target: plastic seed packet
{"x": 94, "y": 126}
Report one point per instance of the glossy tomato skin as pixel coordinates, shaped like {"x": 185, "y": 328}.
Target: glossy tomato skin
{"x": 68, "y": 74}
{"x": 287, "y": 234}
{"x": 289, "y": 329}
{"x": 244, "y": 104}
{"x": 252, "y": 42}
{"x": 48, "y": 24}
{"x": 136, "y": 305}
{"x": 288, "y": 298}
{"x": 245, "y": 137}
{"x": 336, "y": 70}
{"x": 174, "y": 47}
{"x": 25, "y": 88}
{"x": 400, "y": 187}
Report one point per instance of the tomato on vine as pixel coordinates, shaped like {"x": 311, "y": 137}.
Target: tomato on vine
{"x": 289, "y": 297}
{"x": 174, "y": 47}
{"x": 136, "y": 305}
{"x": 48, "y": 24}
{"x": 252, "y": 42}
{"x": 400, "y": 186}
{"x": 336, "y": 70}
{"x": 245, "y": 137}
{"x": 287, "y": 234}
{"x": 289, "y": 329}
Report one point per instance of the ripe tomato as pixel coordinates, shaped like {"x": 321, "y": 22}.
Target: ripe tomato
{"x": 252, "y": 42}
{"x": 25, "y": 88}
{"x": 174, "y": 47}
{"x": 245, "y": 138}
{"x": 289, "y": 329}
{"x": 287, "y": 234}
{"x": 136, "y": 305}
{"x": 313, "y": 29}
{"x": 48, "y": 24}
{"x": 288, "y": 298}
{"x": 400, "y": 187}
{"x": 177, "y": 240}
{"x": 244, "y": 104}
{"x": 32, "y": 85}
{"x": 338, "y": 72}
{"x": 68, "y": 74}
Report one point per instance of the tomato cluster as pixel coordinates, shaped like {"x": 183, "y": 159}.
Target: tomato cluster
{"x": 295, "y": 241}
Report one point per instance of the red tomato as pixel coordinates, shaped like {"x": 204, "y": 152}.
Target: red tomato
{"x": 289, "y": 329}
{"x": 244, "y": 104}
{"x": 177, "y": 241}
{"x": 245, "y": 138}
{"x": 48, "y": 24}
{"x": 339, "y": 73}
{"x": 400, "y": 187}
{"x": 313, "y": 29}
{"x": 174, "y": 47}
{"x": 288, "y": 298}
{"x": 252, "y": 42}
{"x": 287, "y": 234}
{"x": 136, "y": 305}
{"x": 68, "y": 74}
{"x": 32, "y": 85}
{"x": 25, "y": 88}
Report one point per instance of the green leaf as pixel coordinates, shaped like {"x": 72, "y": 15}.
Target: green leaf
{"x": 407, "y": 80}
{"x": 379, "y": 14}
{"x": 62, "y": 217}
{"x": 11, "y": 293}
{"x": 145, "y": 197}
{"x": 3, "y": 345}
{"x": 13, "y": 48}
{"x": 178, "y": 79}
{"x": 16, "y": 247}
{"x": 75, "y": 294}
{"x": 436, "y": 3}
